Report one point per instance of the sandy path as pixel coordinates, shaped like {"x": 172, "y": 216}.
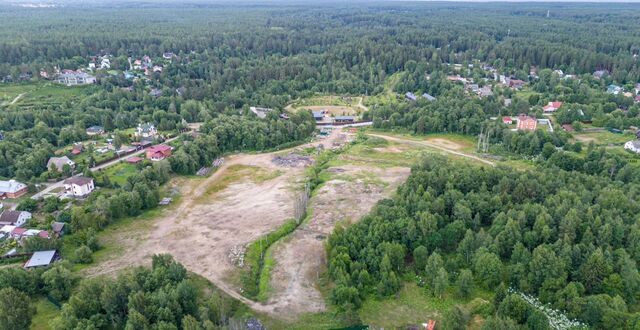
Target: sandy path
{"x": 202, "y": 230}
{"x": 301, "y": 258}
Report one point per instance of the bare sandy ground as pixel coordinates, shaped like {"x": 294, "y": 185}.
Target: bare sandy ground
{"x": 445, "y": 143}
{"x": 301, "y": 258}
{"x": 203, "y": 229}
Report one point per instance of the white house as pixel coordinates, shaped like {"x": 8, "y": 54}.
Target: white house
{"x": 14, "y": 218}
{"x": 146, "y": 130}
{"x": 633, "y": 146}
{"x": 79, "y": 186}
{"x": 105, "y": 63}
{"x": 72, "y": 78}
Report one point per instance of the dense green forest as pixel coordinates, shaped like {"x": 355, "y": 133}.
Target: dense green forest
{"x": 571, "y": 239}
{"x": 564, "y": 231}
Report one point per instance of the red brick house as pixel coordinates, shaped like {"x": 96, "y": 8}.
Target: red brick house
{"x": 159, "y": 152}
{"x": 552, "y": 106}
{"x": 526, "y": 123}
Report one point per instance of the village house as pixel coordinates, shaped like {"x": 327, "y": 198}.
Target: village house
{"x": 633, "y": 146}
{"x": 58, "y": 228}
{"x": 600, "y": 73}
{"x": 485, "y": 91}
{"x": 14, "y": 218}
{"x": 168, "y": 55}
{"x": 344, "y": 119}
{"x": 146, "y": 130}
{"x": 155, "y": 92}
{"x": 35, "y": 232}
{"x": 552, "y": 106}
{"x": 79, "y": 186}
{"x": 159, "y": 152}
{"x": 527, "y": 123}
{"x": 105, "y": 63}
{"x": 516, "y": 83}
{"x": 77, "y": 149}
{"x": 134, "y": 160}
{"x": 260, "y": 112}
{"x": 318, "y": 115}
{"x": 95, "y": 130}
{"x": 59, "y": 162}
{"x": 42, "y": 259}
{"x": 410, "y": 97}
{"x": 157, "y": 68}
{"x": 507, "y": 120}
{"x": 17, "y": 233}
{"x": 614, "y": 89}
{"x": 72, "y": 78}
{"x": 568, "y": 128}
{"x": 428, "y": 97}
{"x": 12, "y": 189}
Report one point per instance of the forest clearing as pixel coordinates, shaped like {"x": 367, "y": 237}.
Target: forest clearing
{"x": 250, "y": 196}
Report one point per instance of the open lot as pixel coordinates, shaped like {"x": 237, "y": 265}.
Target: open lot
{"x": 41, "y": 93}
{"x": 350, "y": 193}
{"x": 252, "y": 195}
{"x": 605, "y": 138}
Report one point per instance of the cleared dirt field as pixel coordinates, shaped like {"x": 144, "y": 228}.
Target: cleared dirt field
{"x": 350, "y": 194}
{"x": 247, "y": 197}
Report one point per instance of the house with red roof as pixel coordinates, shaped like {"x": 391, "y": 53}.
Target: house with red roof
{"x": 159, "y": 152}
{"x": 507, "y": 120}
{"x": 134, "y": 160}
{"x": 552, "y": 106}
{"x": 18, "y": 232}
{"x": 527, "y": 123}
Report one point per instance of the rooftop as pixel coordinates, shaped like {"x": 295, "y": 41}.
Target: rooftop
{"x": 41, "y": 258}
{"x": 11, "y": 186}
{"x": 78, "y": 180}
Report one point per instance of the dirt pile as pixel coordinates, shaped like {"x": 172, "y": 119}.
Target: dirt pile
{"x": 292, "y": 160}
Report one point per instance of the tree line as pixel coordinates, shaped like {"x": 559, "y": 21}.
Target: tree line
{"x": 570, "y": 239}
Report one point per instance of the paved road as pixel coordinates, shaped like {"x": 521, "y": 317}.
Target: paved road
{"x": 60, "y": 184}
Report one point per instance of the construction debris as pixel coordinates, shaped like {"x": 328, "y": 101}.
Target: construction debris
{"x": 218, "y": 162}
{"x": 236, "y": 255}
{"x": 204, "y": 171}
{"x": 292, "y": 160}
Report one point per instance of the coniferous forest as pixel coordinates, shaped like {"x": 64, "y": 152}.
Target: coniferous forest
{"x": 561, "y": 232}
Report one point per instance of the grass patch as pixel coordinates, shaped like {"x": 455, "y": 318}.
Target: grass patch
{"x": 45, "y": 312}
{"x": 238, "y": 172}
{"x": 328, "y": 100}
{"x": 254, "y": 260}
{"x": 264, "y": 282}
{"x": 412, "y": 305}
{"x": 603, "y": 138}
{"x": 119, "y": 173}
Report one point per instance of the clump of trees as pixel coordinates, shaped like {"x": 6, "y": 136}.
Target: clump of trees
{"x": 160, "y": 297}
{"x": 570, "y": 239}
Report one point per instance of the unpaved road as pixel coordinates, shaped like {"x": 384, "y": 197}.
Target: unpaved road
{"x": 209, "y": 222}
{"x": 17, "y": 98}
{"x": 434, "y": 146}
{"x": 215, "y": 216}
{"x": 301, "y": 257}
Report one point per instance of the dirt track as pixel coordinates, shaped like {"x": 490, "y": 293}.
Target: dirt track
{"x": 301, "y": 258}
{"x": 250, "y": 196}
{"x": 207, "y": 224}
{"x": 434, "y": 146}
